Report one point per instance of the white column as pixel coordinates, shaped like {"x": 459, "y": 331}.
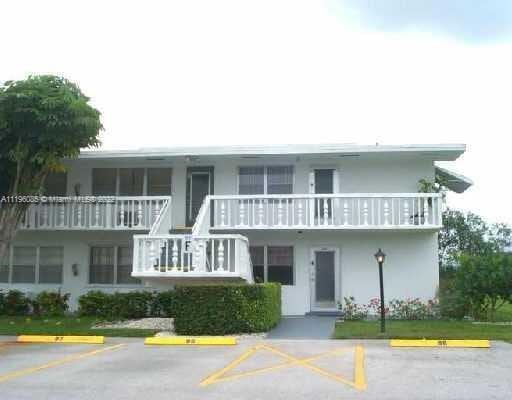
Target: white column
{"x": 345, "y": 212}
{"x": 386, "y": 212}
{"x": 220, "y": 255}
{"x": 365, "y": 212}
{"x": 406, "y": 212}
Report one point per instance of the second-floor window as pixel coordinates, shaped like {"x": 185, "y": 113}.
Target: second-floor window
{"x": 131, "y": 181}
{"x": 55, "y": 184}
{"x": 266, "y": 180}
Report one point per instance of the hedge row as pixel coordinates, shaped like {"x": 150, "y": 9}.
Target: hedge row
{"x": 114, "y": 306}
{"x": 226, "y": 309}
{"x": 16, "y": 303}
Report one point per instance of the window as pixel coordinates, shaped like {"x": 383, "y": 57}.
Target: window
{"x": 111, "y": 264}
{"x": 55, "y": 184}
{"x": 251, "y": 180}
{"x": 131, "y": 181}
{"x": 24, "y": 265}
{"x": 273, "y": 264}
{"x": 265, "y": 180}
{"x": 124, "y": 266}
{"x": 280, "y": 180}
{"x": 104, "y": 181}
{"x": 101, "y": 269}
{"x": 32, "y": 264}
{"x": 258, "y": 263}
{"x": 51, "y": 260}
{"x": 159, "y": 181}
{"x": 280, "y": 265}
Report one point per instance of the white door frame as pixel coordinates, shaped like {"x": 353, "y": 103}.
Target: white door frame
{"x": 337, "y": 277}
{"x": 192, "y": 174}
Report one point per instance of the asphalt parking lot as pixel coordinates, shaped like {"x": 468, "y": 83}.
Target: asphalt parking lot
{"x": 253, "y": 369}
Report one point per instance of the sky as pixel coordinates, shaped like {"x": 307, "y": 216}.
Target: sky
{"x": 166, "y": 73}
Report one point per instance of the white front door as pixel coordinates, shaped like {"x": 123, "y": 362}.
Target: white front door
{"x": 325, "y": 278}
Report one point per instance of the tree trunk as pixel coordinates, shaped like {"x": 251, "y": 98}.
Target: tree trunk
{"x": 10, "y": 214}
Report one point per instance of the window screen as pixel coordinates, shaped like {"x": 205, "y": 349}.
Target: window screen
{"x": 131, "y": 181}
{"x": 104, "y": 181}
{"x": 55, "y": 184}
{"x": 159, "y": 181}
{"x": 51, "y": 260}
{"x": 24, "y": 265}
{"x": 124, "y": 266}
{"x": 258, "y": 263}
{"x": 101, "y": 268}
{"x": 251, "y": 180}
{"x": 280, "y": 264}
{"x": 280, "y": 180}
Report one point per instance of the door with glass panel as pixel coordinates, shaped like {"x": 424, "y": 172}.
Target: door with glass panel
{"x": 323, "y": 183}
{"x": 199, "y": 185}
{"x": 324, "y": 279}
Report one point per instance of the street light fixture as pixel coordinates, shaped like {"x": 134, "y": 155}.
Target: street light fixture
{"x": 380, "y": 256}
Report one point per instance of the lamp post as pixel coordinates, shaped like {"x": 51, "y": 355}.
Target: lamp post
{"x": 380, "y": 256}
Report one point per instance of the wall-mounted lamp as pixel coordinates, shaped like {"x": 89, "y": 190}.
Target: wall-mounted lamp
{"x": 74, "y": 269}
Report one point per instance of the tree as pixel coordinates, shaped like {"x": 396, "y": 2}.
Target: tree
{"x": 485, "y": 283}
{"x": 43, "y": 119}
{"x": 469, "y": 234}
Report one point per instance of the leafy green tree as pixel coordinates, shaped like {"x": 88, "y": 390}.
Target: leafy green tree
{"x": 485, "y": 283}
{"x": 43, "y": 119}
{"x": 469, "y": 234}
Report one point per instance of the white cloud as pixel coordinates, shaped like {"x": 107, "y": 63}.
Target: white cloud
{"x": 230, "y": 72}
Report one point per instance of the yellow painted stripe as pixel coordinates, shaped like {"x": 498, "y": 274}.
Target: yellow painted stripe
{"x": 31, "y": 370}
{"x": 214, "y": 377}
{"x": 191, "y": 340}
{"x": 359, "y": 377}
{"x": 61, "y": 339}
{"x": 218, "y": 376}
{"x": 439, "y": 343}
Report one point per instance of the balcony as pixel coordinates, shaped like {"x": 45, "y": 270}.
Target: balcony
{"x": 330, "y": 211}
{"x": 187, "y": 256}
{"x": 97, "y": 213}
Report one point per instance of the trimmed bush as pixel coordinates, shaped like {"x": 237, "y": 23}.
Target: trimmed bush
{"x": 13, "y": 303}
{"x": 163, "y": 304}
{"x": 52, "y": 304}
{"x": 131, "y": 305}
{"x": 226, "y": 309}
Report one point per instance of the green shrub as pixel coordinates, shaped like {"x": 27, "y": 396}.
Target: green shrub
{"x": 485, "y": 282}
{"x": 14, "y": 302}
{"x": 96, "y": 303}
{"x": 115, "y": 306}
{"x": 50, "y": 304}
{"x": 226, "y": 309}
{"x": 163, "y": 304}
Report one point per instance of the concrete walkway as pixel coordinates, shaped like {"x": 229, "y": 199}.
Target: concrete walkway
{"x": 307, "y": 327}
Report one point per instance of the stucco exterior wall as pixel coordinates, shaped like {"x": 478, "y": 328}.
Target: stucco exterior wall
{"x": 355, "y": 175}
{"x": 411, "y": 268}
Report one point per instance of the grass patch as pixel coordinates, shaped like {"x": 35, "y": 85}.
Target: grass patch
{"x": 504, "y": 313}
{"x": 422, "y": 329}
{"x": 14, "y": 326}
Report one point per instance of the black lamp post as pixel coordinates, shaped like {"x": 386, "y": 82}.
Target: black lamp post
{"x": 380, "y": 256}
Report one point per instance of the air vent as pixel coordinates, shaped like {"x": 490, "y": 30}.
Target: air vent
{"x": 349, "y": 155}
{"x": 155, "y": 158}
{"x": 251, "y": 157}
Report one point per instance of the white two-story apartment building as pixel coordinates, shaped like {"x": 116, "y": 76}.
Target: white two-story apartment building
{"x": 308, "y": 216}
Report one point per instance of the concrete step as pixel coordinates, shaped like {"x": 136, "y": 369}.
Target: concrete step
{"x": 325, "y": 313}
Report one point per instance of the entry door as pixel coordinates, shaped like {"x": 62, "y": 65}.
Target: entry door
{"x": 324, "y": 279}
{"x": 323, "y": 183}
{"x": 199, "y": 185}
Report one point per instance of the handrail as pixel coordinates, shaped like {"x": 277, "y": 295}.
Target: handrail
{"x": 163, "y": 213}
{"x": 321, "y": 196}
{"x": 204, "y": 212}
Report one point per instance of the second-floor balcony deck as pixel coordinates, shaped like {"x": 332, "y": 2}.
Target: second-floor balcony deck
{"x": 327, "y": 211}
{"x": 138, "y": 213}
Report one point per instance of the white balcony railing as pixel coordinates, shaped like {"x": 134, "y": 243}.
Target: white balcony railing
{"x": 329, "y": 211}
{"x": 172, "y": 256}
{"x": 109, "y": 213}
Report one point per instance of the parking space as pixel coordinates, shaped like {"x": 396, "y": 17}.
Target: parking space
{"x": 254, "y": 369}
